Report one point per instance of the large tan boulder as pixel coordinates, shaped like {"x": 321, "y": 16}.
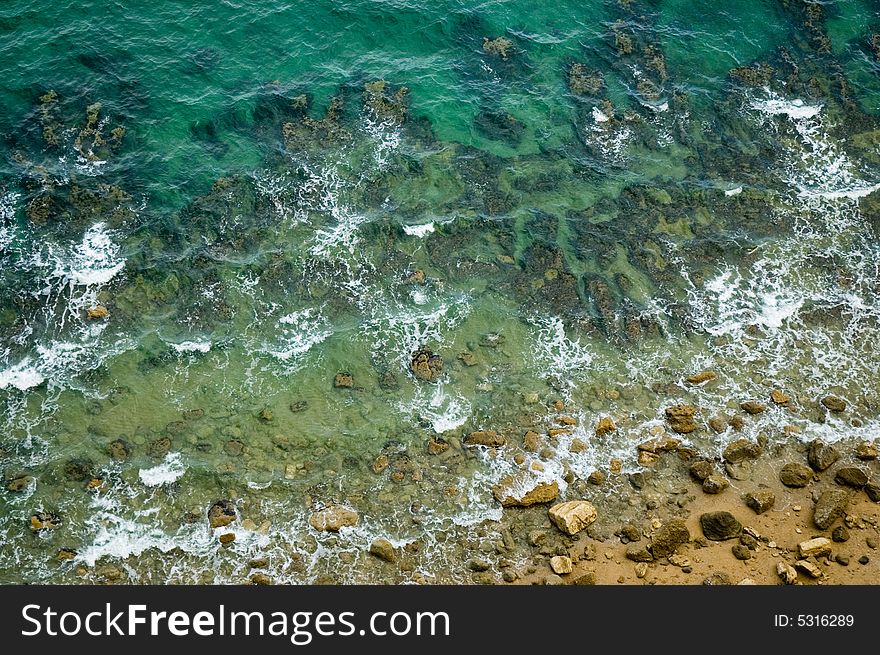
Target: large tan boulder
{"x": 573, "y": 516}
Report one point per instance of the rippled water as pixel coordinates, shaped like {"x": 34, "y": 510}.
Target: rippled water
{"x": 262, "y": 196}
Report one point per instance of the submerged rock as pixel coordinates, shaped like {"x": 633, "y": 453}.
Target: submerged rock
{"x": 753, "y": 407}
{"x": 426, "y": 365}
{"x": 383, "y": 549}
{"x": 221, "y": 514}
{"x": 681, "y": 418}
{"x": 701, "y": 377}
{"x": 523, "y": 490}
{"x": 741, "y": 450}
{"x": 499, "y": 46}
{"x": 488, "y": 438}
{"x": 795, "y": 475}
{"x": 834, "y": 404}
{"x": 343, "y": 380}
{"x": 44, "y": 521}
{"x": 333, "y": 518}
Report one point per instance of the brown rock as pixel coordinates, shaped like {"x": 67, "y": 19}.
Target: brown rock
{"x": 662, "y": 444}
{"x": 829, "y": 507}
{"x": 561, "y": 565}
{"x": 720, "y": 526}
{"x": 531, "y": 441}
{"x": 383, "y": 549}
{"x": 596, "y": 478}
{"x": 753, "y": 407}
{"x": 260, "y": 579}
{"x": 577, "y": 446}
{"x": 715, "y": 484}
{"x": 702, "y": 469}
{"x": 426, "y": 365}
{"x": 742, "y": 449}
{"x": 809, "y": 568}
{"x": 522, "y": 490}
{"x": 681, "y": 418}
{"x": 44, "y": 521}
{"x": 821, "y": 455}
{"x": 648, "y": 459}
{"x": 701, "y": 377}
{"x": 718, "y": 424}
{"x": 381, "y": 463}
{"x": 227, "y": 538}
{"x": 779, "y": 397}
{"x": 573, "y": 516}
{"x": 566, "y": 420}
{"x": 97, "y": 312}
{"x": 221, "y": 514}
{"x": 668, "y": 537}
{"x": 873, "y": 491}
{"x": 795, "y": 475}
{"x": 605, "y": 426}
{"x": 760, "y": 501}
{"x": 19, "y": 484}
{"x": 343, "y": 381}
{"x": 639, "y": 553}
{"x": 786, "y": 572}
{"x": 866, "y": 450}
{"x": 119, "y": 450}
{"x": 814, "y": 547}
{"x": 484, "y": 438}
{"x": 437, "y": 446}
{"x": 851, "y": 476}
{"x": 834, "y": 404}
{"x": 333, "y": 518}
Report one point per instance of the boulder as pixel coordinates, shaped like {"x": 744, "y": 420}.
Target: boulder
{"x": 715, "y": 484}
{"x": 851, "y": 476}
{"x": 573, "y": 516}
{"x": 523, "y": 490}
{"x": 669, "y": 537}
{"x": 779, "y": 397}
{"x": 720, "y": 526}
{"x": 561, "y": 565}
{"x": 383, "y": 549}
{"x": 333, "y": 518}
{"x": 741, "y": 552}
{"x": 821, "y": 455}
{"x": 343, "y": 381}
{"x": 753, "y": 407}
{"x": 639, "y": 553}
{"x": 834, "y": 404}
{"x": 760, "y": 501}
{"x": 829, "y": 507}
{"x": 866, "y": 450}
{"x": 605, "y": 426}
{"x": 741, "y": 450}
{"x": 681, "y": 418}
{"x": 426, "y": 365}
{"x": 701, "y": 377}
{"x": 221, "y": 514}
{"x": 702, "y": 469}
{"x": 485, "y": 438}
{"x": 814, "y": 547}
{"x": 873, "y": 491}
{"x": 795, "y": 475}
{"x": 657, "y": 445}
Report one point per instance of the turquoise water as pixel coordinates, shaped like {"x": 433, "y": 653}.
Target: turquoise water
{"x": 573, "y": 202}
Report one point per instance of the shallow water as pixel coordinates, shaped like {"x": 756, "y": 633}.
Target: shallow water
{"x": 615, "y": 197}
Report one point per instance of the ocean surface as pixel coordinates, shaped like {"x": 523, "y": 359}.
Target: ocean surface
{"x": 226, "y": 231}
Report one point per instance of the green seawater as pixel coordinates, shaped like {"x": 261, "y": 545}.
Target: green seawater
{"x": 227, "y": 231}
